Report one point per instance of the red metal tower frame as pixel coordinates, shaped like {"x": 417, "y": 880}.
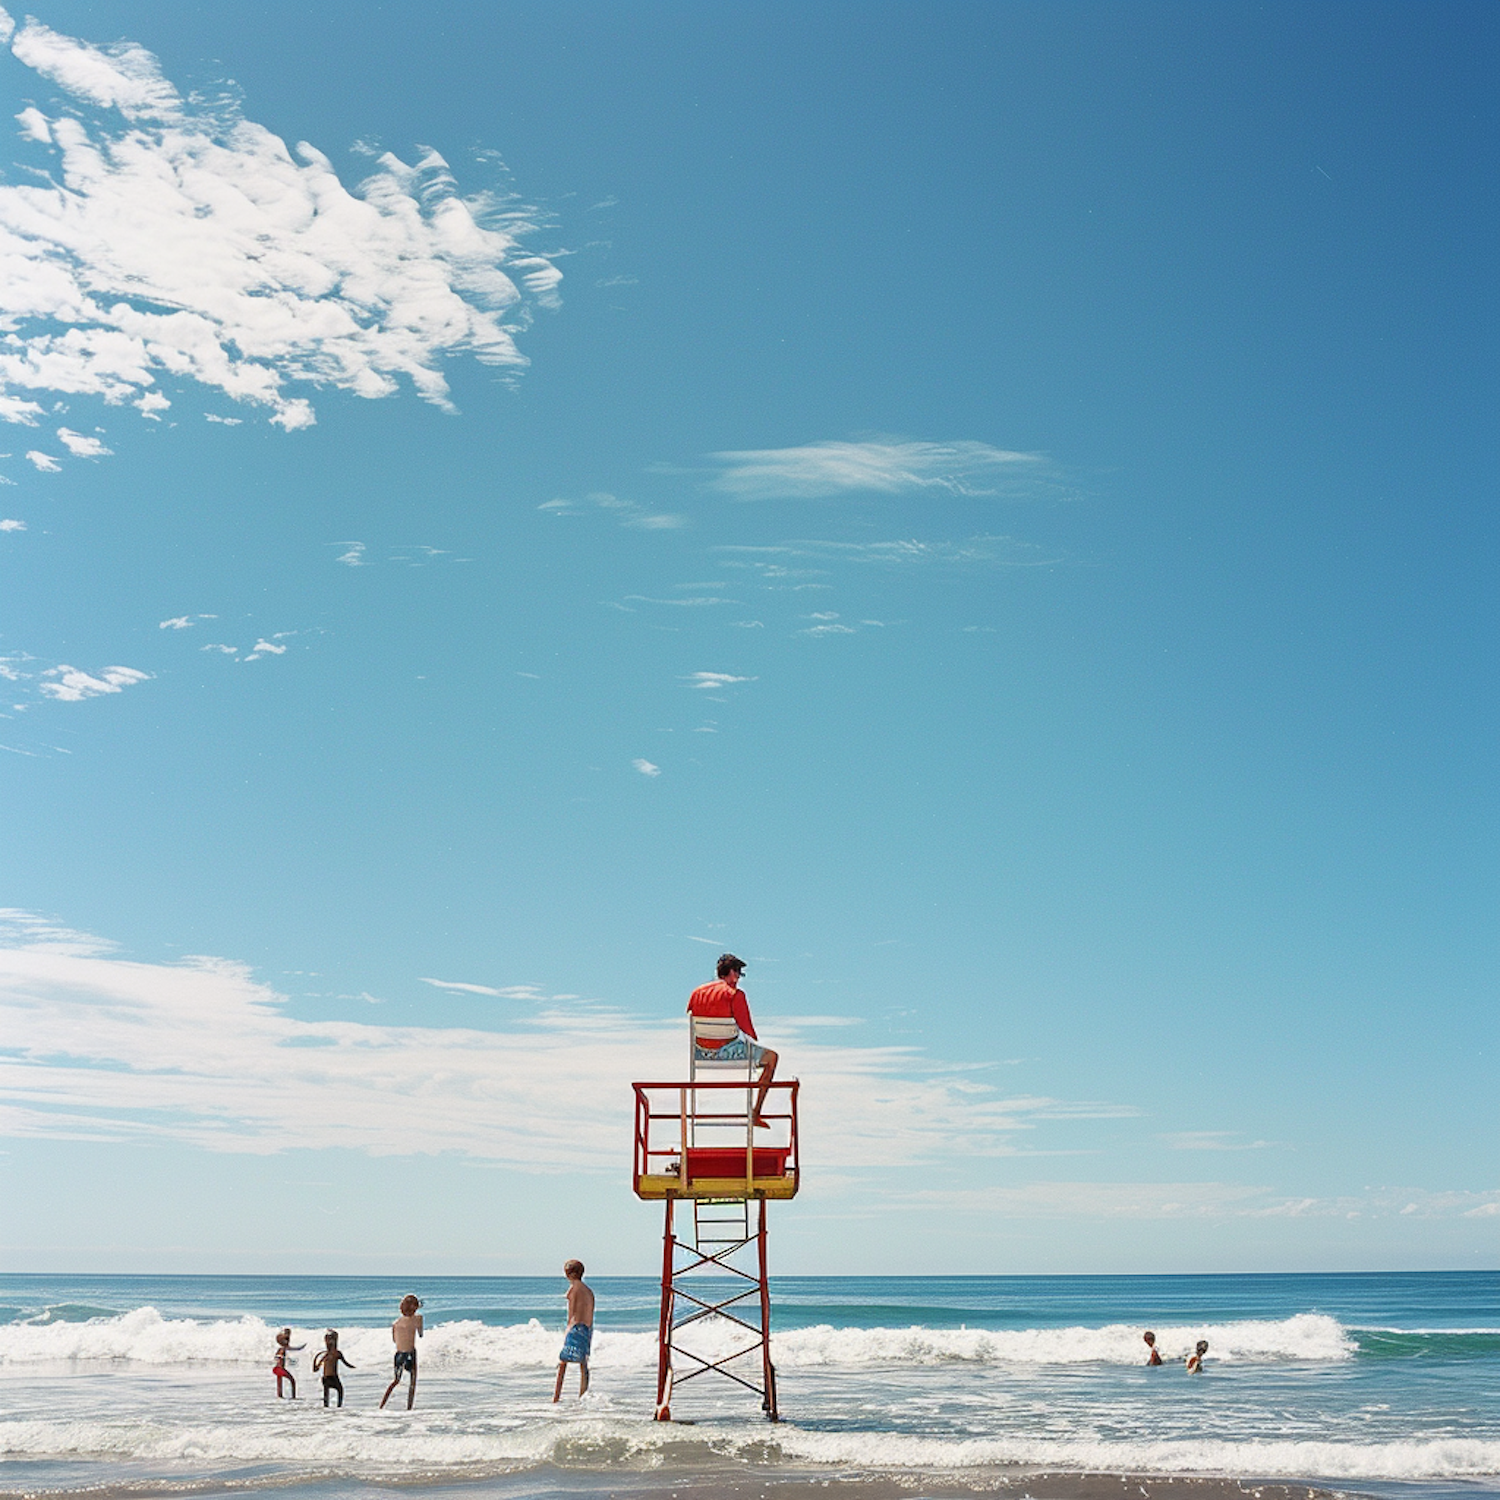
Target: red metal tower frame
{"x": 687, "y": 1149}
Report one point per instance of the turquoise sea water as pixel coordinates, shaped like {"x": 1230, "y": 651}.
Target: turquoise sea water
{"x": 1362, "y": 1381}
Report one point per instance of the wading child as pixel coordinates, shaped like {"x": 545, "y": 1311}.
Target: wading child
{"x": 1195, "y": 1359}
{"x": 405, "y": 1331}
{"x": 285, "y": 1346}
{"x": 1154, "y": 1356}
{"x": 329, "y": 1360}
{"x": 580, "y": 1334}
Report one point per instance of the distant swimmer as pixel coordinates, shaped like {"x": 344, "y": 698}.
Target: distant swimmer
{"x": 1195, "y": 1359}
{"x": 285, "y": 1346}
{"x": 724, "y": 1000}
{"x": 580, "y": 1335}
{"x": 1153, "y": 1356}
{"x": 405, "y": 1331}
{"x": 329, "y": 1361}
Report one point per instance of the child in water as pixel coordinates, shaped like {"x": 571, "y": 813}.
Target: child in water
{"x": 329, "y": 1360}
{"x": 1154, "y": 1357}
{"x": 285, "y": 1346}
{"x": 1195, "y": 1359}
{"x": 405, "y": 1331}
{"x": 580, "y": 1334}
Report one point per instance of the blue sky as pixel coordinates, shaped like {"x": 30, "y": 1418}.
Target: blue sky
{"x": 987, "y": 511}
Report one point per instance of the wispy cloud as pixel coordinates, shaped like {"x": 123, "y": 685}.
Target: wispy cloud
{"x": 11, "y": 524}
{"x": 771, "y": 560}
{"x": 506, "y": 992}
{"x": 624, "y": 512}
{"x": 713, "y": 681}
{"x": 353, "y": 555}
{"x": 263, "y": 648}
{"x": 1211, "y": 1140}
{"x": 44, "y": 463}
{"x": 645, "y": 767}
{"x": 107, "y": 1048}
{"x": 70, "y": 685}
{"x": 819, "y": 471}
{"x": 171, "y": 238}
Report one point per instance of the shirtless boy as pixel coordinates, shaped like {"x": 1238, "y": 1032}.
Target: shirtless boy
{"x": 285, "y": 1346}
{"x": 1195, "y": 1359}
{"x": 1154, "y": 1357}
{"x": 405, "y": 1331}
{"x": 580, "y": 1334}
{"x": 329, "y": 1361}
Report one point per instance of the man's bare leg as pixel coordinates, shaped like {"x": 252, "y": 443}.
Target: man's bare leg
{"x": 767, "y": 1073}
{"x": 583, "y": 1378}
{"x": 562, "y": 1370}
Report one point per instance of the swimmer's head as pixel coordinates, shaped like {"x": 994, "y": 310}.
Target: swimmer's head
{"x": 409, "y": 1305}
{"x": 284, "y": 1337}
{"x": 573, "y": 1269}
{"x": 331, "y": 1337}
{"x": 1202, "y": 1346}
{"x": 1149, "y": 1337}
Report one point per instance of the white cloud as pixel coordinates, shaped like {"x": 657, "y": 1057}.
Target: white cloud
{"x": 43, "y": 461}
{"x": 454, "y": 984}
{"x": 81, "y": 446}
{"x": 210, "y": 416}
{"x": 264, "y": 648}
{"x": 1211, "y": 1140}
{"x": 107, "y": 1048}
{"x": 1005, "y": 550}
{"x": 712, "y": 680}
{"x": 224, "y": 650}
{"x": 820, "y": 470}
{"x": 72, "y": 686}
{"x": 353, "y": 556}
{"x": 11, "y": 524}
{"x": 178, "y": 240}
{"x": 625, "y": 512}
{"x": 828, "y": 630}
{"x": 646, "y": 768}
{"x": 177, "y": 622}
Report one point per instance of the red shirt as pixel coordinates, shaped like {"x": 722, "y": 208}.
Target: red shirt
{"x": 718, "y": 1000}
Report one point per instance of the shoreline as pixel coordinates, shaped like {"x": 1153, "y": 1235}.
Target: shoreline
{"x": 708, "y": 1481}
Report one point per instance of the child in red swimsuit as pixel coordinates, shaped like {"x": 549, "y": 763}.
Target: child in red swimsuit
{"x": 285, "y": 1346}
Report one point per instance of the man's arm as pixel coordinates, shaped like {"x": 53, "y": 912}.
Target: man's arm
{"x": 739, "y": 1008}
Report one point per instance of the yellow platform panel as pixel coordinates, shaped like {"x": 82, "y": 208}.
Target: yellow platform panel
{"x": 715, "y": 1187}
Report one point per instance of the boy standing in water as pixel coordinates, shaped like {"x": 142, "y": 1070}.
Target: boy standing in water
{"x": 1195, "y": 1359}
{"x": 405, "y": 1331}
{"x": 580, "y": 1334}
{"x": 330, "y": 1360}
{"x": 285, "y": 1346}
{"x": 1154, "y": 1357}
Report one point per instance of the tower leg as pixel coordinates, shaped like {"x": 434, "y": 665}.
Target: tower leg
{"x": 664, "y": 1333}
{"x": 768, "y": 1370}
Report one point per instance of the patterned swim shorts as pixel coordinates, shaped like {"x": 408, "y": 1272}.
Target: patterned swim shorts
{"x": 741, "y": 1049}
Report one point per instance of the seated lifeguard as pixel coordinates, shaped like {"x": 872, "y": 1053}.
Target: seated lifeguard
{"x": 723, "y": 1000}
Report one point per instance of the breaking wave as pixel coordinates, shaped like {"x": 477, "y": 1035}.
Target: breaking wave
{"x": 144, "y": 1336}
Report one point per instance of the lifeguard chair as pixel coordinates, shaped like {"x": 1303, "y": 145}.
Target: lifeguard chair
{"x": 695, "y": 1141}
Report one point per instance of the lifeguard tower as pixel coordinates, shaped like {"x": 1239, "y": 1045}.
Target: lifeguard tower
{"x": 696, "y": 1144}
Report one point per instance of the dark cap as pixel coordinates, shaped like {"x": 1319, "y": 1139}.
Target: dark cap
{"x": 728, "y": 961}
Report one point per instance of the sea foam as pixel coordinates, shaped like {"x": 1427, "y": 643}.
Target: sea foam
{"x": 144, "y": 1336}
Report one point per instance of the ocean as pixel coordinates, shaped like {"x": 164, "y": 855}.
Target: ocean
{"x": 1381, "y": 1384}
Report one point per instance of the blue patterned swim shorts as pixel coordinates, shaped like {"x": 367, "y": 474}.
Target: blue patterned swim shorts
{"x": 576, "y": 1344}
{"x": 739, "y": 1050}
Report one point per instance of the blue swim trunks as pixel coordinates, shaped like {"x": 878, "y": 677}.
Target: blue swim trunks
{"x": 741, "y": 1049}
{"x": 575, "y": 1347}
